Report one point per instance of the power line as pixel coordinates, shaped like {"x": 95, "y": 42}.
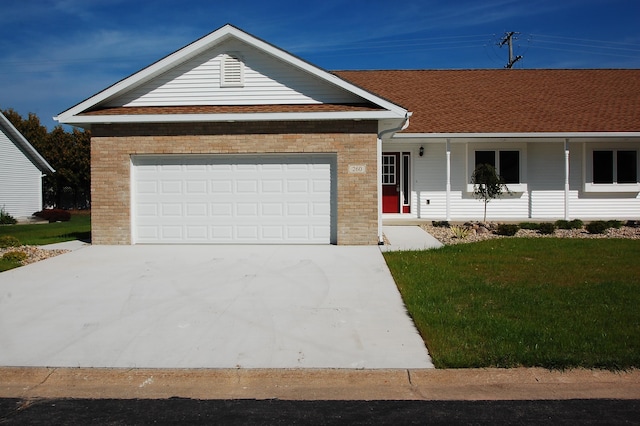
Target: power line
{"x": 586, "y": 40}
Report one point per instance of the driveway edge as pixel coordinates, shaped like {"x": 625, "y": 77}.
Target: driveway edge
{"x": 320, "y": 384}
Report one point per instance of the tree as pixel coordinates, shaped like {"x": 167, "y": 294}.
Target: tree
{"x": 487, "y": 185}
{"x": 68, "y": 153}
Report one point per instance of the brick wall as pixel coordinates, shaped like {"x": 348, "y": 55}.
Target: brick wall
{"x": 354, "y": 142}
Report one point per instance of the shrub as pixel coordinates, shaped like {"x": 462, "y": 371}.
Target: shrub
{"x": 9, "y": 241}
{"x": 6, "y": 218}
{"x": 547, "y": 228}
{"x": 441, "y": 224}
{"x": 508, "y": 230}
{"x": 616, "y": 224}
{"x": 597, "y": 227}
{"x": 566, "y": 224}
{"x": 54, "y": 215}
{"x": 14, "y": 256}
{"x": 576, "y": 224}
{"x": 530, "y": 225}
{"x": 460, "y": 232}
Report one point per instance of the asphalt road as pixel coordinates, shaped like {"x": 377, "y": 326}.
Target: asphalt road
{"x": 268, "y": 412}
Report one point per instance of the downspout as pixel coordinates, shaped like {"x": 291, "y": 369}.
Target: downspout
{"x": 566, "y": 179}
{"x": 382, "y": 134}
{"x": 448, "y": 183}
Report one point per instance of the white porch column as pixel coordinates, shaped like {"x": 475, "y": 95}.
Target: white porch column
{"x": 379, "y": 173}
{"x": 448, "y": 194}
{"x": 566, "y": 179}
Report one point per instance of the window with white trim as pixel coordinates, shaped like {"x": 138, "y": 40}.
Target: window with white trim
{"x": 615, "y": 166}
{"x": 506, "y": 163}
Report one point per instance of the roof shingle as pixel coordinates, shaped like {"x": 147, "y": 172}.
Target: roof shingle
{"x": 510, "y": 101}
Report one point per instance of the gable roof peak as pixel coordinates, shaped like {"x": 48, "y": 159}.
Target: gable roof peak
{"x": 209, "y": 41}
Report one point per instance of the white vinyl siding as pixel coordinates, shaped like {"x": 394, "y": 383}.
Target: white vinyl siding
{"x": 20, "y": 181}
{"x": 266, "y": 80}
{"x": 248, "y": 199}
{"x": 543, "y": 199}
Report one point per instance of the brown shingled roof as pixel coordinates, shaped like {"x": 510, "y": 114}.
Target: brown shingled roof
{"x": 510, "y": 101}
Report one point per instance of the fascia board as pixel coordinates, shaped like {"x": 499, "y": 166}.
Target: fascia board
{"x": 203, "y": 44}
{"x": 33, "y": 154}
{"x": 528, "y": 135}
{"x": 185, "y": 118}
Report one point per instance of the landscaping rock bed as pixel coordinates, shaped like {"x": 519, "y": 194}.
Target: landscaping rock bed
{"x": 481, "y": 232}
{"x": 34, "y": 253}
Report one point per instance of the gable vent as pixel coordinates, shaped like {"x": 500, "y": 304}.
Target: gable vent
{"x": 232, "y": 71}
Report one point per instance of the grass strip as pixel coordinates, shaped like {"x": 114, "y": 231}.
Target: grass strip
{"x": 78, "y": 228}
{"x": 553, "y": 303}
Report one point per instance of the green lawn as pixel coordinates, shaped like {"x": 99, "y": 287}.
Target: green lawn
{"x": 78, "y": 228}
{"x": 547, "y": 302}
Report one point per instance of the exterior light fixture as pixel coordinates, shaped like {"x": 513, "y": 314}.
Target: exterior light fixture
{"x": 421, "y": 151}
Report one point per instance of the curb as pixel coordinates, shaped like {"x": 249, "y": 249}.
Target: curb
{"x": 321, "y": 384}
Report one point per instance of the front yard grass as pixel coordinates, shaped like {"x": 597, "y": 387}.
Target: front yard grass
{"x": 78, "y": 228}
{"x": 553, "y": 303}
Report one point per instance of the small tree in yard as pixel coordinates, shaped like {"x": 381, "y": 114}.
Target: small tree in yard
{"x": 487, "y": 185}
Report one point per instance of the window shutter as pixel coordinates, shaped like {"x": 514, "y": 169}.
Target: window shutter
{"x": 232, "y": 71}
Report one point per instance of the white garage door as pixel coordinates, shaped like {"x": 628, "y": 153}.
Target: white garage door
{"x": 267, "y": 199}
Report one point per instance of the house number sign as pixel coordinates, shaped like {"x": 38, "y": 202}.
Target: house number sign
{"x": 357, "y": 168}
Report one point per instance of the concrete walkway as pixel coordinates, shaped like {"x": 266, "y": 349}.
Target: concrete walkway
{"x": 208, "y": 307}
{"x": 410, "y": 237}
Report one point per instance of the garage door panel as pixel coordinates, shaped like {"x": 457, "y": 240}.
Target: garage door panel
{"x": 222, "y": 209}
{"x": 197, "y": 187}
{"x": 197, "y": 210}
{"x": 171, "y": 210}
{"x": 221, "y": 186}
{"x": 233, "y": 199}
{"x": 171, "y": 187}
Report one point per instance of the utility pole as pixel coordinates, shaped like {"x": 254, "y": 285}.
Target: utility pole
{"x": 508, "y": 39}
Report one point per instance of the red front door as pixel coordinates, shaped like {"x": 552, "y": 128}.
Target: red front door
{"x": 391, "y": 182}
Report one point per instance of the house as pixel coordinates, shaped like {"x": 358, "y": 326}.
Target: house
{"x": 565, "y": 141}
{"x": 21, "y": 172}
{"x": 233, "y": 140}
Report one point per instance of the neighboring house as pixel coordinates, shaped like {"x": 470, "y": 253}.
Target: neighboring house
{"x": 233, "y": 140}
{"x": 21, "y": 172}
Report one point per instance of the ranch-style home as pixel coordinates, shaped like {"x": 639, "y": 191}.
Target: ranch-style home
{"x": 21, "y": 172}
{"x": 233, "y": 140}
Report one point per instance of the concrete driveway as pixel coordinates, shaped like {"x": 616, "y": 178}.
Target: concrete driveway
{"x": 208, "y": 307}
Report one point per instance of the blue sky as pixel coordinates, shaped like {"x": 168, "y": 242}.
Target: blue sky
{"x": 55, "y": 53}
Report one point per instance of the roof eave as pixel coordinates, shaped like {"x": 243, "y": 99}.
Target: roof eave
{"x": 518, "y": 135}
{"x": 83, "y": 121}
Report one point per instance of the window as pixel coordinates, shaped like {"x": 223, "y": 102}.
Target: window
{"x": 611, "y": 170}
{"x": 507, "y": 164}
{"x": 388, "y": 169}
{"x": 615, "y": 167}
{"x": 406, "y": 161}
{"x": 627, "y": 166}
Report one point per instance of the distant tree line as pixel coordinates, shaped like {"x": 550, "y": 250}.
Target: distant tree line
{"x": 68, "y": 153}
